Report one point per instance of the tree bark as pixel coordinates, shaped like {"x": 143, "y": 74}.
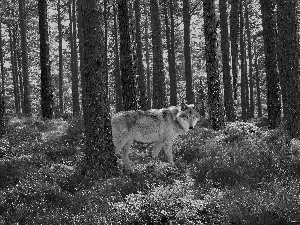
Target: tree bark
{"x": 243, "y": 66}
{"x": 46, "y": 85}
{"x": 118, "y": 86}
{"x": 250, "y": 57}
{"x": 159, "y": 87}
{"x": 26, "y": 100}
{"x": 60, "y": 60}
{"x": 187, "y": 53}
{"x": 149, "y": 94}
{"x": 14, "y": 69}
{"x": 74, "y": 68}
{"x": 272, "y": 77}
{"x": 139, "y": 55}
{"x": 2, "y": 90}
{"x": 127, "y": 73}
{"x": 100, "y": 158}
{"x": 172, "y": 73}
{"x": 2, "y": 62}
{"x": 213, "y": 81}
{"x": 257, "y": 83}
{"x": 234, "y": 33}
{"x": 288, "y": 57}
{"x": 172, "y": 65}
{"x": 75, "y": 78}
{"x": 228, "y": 100}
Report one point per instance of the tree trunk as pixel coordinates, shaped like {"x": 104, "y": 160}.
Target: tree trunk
{"x": 14, "y": 70}
{"x": 228, "y": 100}
{"x": 139, "y": 55}
{"x": 2, "y": 90}
{"x": 250, "y": 57}
{"x": 272, "y": 77}
{"x": 74, "y": 69}
{"x": 257, "y": 83}
{"x": 234, "y": 32}
{"x": 80, "y": 45}
{"x": 99, "y": 148}
{"x": 243, "y": 66}
{"x": 118, "y": 86}
{"x": 20, "y": 75}
{"x": 213, "y": 80}
{"x": 247, "y": 98}
{"x": 46, "y": 85}
{"x": 75, "y": 79}
{"x": 172, "y": 65}
{"x": 172, "y": 75}
{"x": 159, "y": 87}
{"x": 127, "y": 73}
{"x": 105, "y": 18}
{"x": 187, "y": 53}
{"x": 147, "y": 59}
{"x": 288, "y": 57}
{"x": 2, "y": 62}
{"x": 60, "y": 60}
{"x": 26, "y": 100}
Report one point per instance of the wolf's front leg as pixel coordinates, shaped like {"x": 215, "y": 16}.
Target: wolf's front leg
{"x": 168, "y": 152}
{"x": 156, "y": 148}
{"x": 125, "y": 154}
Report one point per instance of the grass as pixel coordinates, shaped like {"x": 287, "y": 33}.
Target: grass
{"x": 242, "y": 175}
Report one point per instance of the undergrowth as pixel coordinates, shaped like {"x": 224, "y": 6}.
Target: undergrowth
{"x": 242, "y": 175}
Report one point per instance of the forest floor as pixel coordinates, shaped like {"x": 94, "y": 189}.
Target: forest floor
{"x": 243, "y": 174}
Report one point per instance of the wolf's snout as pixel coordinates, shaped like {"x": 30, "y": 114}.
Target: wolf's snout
{"x": 191, "y": 128}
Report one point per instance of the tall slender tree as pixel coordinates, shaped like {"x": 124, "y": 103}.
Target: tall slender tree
{"x": 139, "y": 55}
{"x": 172, "y": 72}
{"x": 172, "y": 65}
{"x": 213, "y": 81}
{"x": 234, "y": 32}
{"x": 118, "y": 86}
{"x": 25, "y": 77}
{"x": 100, "y": 158}
{"x": 272, "y": 77}
{"x": 159, "y": 87}
{"x": 74, "y": 64}
{"x": 149, "y": 94}
{"x": 249, "y": 48}
{"x": 243, "y": 64}
{"x": 75, "y": 77}
{"x": 60, "y": 59}
{"x": 2, "y": 90}
{"x": 46, "y": 83}
{"x": 228, "y": 99}
{"x": 288, "y": 59}
{"x": 257, "y": 83}
{"x": 187, "y": 52}
{"x": 127, "y": 73}
{"x": 2, "y": 70}
{"x": 14, "y": 69}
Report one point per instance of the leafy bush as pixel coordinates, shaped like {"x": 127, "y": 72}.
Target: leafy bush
{"x": 274, "y": 203}
{"x": 176, "y": 203}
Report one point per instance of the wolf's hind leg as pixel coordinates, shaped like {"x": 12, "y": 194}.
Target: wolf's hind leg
{"x": 168, "y": 152}
{"x": 125, "y": 154}
{"x": 119, "y": 142}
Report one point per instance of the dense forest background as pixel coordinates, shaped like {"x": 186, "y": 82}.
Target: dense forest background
{"x": 68, "y": 65}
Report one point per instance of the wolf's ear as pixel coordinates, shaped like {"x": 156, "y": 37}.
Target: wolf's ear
{"x": 183, "y": 106}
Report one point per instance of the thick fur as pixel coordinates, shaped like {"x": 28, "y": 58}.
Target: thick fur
{"x": 158, "y": 126}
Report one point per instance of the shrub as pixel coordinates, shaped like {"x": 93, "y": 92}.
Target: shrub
{"x": 274, "y": 203}
{"x": 176, "y": 203}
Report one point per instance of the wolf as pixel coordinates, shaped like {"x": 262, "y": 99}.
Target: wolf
{"x": 158, "y": 126}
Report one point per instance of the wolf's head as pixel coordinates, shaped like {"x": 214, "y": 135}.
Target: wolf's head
{"x": 188, "y": 116}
